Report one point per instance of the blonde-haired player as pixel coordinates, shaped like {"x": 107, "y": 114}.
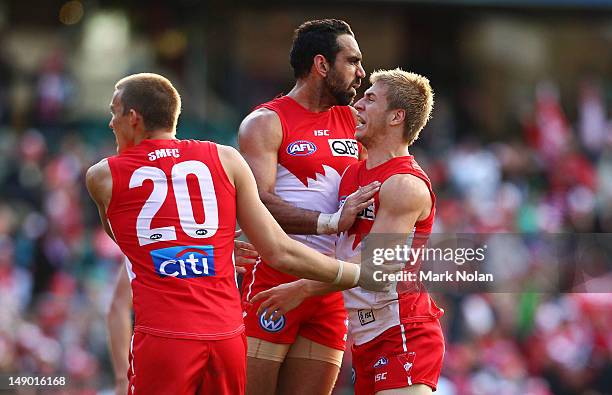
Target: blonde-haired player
{"x": 398, "y": 340}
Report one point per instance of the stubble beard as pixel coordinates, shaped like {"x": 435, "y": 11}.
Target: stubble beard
{"x": 342, "y": 96}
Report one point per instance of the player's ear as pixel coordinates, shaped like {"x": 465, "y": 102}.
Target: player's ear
{"x": 398, "y": 116}
{"x": 134, "y": 117}
{"x": 320, "y": 65}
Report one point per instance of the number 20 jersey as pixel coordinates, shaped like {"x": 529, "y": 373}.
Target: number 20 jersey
{"x": 173, "y": 214}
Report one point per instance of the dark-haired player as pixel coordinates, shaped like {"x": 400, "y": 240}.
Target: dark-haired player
{"x": 298, "y": 146}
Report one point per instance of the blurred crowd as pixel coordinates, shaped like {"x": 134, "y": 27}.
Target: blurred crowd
{"x": 552, "y": 174}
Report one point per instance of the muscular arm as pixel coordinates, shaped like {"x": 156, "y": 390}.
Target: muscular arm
{"x": 259, "y": 137}
{"x": 118, "y": 320}
{"x": 99, "y": 182}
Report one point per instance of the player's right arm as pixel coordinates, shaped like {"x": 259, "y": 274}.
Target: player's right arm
{"x": 278, "y": 249}
{"x": 99, "y": 181}
{"x": 286, "y": 297}
{"x": 119, "y": 326}
{"x": 260, "y": 136}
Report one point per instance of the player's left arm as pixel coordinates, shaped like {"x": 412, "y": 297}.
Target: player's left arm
{"x": 404, "y": 199}
{"x": 99, "y": 181}
{"x": 119, "y": 326}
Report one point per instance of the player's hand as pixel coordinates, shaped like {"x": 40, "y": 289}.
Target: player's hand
{"x": 280, "y": 299}
{"x": 244, "y": 253}
{"x": 376, "y": 277}
{"x": 356, "y": 202}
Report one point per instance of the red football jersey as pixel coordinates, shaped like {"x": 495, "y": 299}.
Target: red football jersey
{"x": 371, "y": 313}
{"x": 316, "y": 149}
{"x": 173, "y": 214}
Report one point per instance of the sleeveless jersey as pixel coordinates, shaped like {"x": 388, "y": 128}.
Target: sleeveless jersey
{"x": 371, "y": 313}
{"x": 173, "y": 214}
{"x": 315, "y": 150}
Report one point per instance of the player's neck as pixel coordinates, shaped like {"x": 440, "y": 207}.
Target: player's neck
{"x": 159, "y": 134}
{"x": 310, "y": 95}
{"x": 381, "y": 153}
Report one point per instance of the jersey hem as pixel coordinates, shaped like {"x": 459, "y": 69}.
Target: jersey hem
{"x": 189, "y": 335}
{"x": 256, "y": 336}
{"x": 421, "y": 318}
{"x": 393, "y": 387}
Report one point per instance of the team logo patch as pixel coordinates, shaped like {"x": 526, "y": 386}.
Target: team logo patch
{"x": 365, "y": 316}
{"x": 272, "y": 325}
{"x": 184, "y": 261}
{"x": 381, "y": 362}
{"x": 344, "y": 147}
{"x": 301, "y": 148}
{"x": 407, "y": 360}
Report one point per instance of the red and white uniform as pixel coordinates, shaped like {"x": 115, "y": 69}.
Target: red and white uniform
{"x": 380, "y": 321}
{"x": 316, "y": 149}
{"x": 173, "y": 214}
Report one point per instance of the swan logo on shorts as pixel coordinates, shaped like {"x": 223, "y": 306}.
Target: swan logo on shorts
{"x": 301, "y": 148}
{"x": 272, "y": 325}
{"x": 184, "y": 261}
{"x": 381, "y": 362}
{"x": 407, "y": 360}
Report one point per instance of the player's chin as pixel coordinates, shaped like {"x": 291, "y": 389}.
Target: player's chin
{"x": 360, "y": 132}
{"x": 350, "y": 96}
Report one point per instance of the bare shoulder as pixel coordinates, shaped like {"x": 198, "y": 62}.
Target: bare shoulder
{"x": 233, "y": 163}
{"x": 260, "y": 126}
{"x": 228, "y": 153}
{"x": 98, "y": 173}
{"x": 99, "y": 181}
{"x": 402, "y": 192}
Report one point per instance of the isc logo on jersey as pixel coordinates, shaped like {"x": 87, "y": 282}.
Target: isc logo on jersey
{"x": 301, "y": 148}
{"x": 184, "y": 261}
{"x": 344, "y": 147}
